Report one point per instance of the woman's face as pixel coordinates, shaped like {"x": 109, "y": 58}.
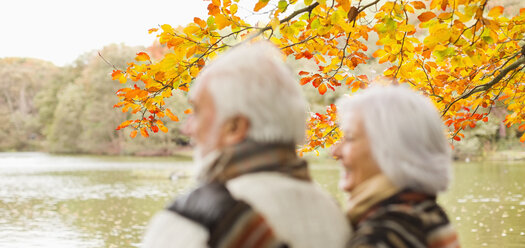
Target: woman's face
{"x": 355, "y": 155}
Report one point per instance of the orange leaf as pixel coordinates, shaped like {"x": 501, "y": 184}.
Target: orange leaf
{"x": 199, "y": 22}
{"x": 133, "y": 134}
{"x": 144, "y": 132}
{"x": 457, "y": 138}
{"x": 213, "y": 9}
{"x": 317, "y": 81}
{"x": 322, "y": 89}
{"x": 124, "y": 124}
{"x": 187, "y": 111}
{"x": 496, "y": 11}
{"x": 442, "y": 77}
{"x": 161, "y": 126}
{"x": 260, "y": 5}
{"x": 116, "y": 74}
{"x": 142, "y": 56}
{"x": 522, "y": 11}
{"x": 305, "y": 80}
{"x": 522, "y": 139}
{"x": 171, "y": 115}
{"x": 427, "y": 16}
{"x": 151, "y": 30}
{"x": 419, "y": 5}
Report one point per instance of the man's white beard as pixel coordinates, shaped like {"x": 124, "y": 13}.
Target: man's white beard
{"x": 203, "y": 161}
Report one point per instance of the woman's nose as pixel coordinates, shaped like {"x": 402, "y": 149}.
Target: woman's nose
{"x": 336, "y": 150}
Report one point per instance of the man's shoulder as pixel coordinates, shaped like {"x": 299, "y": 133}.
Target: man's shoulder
{"x": 298, "y": 210}
{"x": 166, "y": 225}
{"x": 207, "y": 204}
{"x": 275, "y": 185}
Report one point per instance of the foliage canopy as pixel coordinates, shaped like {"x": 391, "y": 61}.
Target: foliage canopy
{"x": 464, "y": 56}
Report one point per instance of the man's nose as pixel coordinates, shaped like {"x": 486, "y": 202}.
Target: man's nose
{"x": 187, "y": 126}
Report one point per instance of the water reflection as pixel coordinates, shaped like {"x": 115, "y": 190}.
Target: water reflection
{"x": 484, "y": 203}
{"x": 48, "y": 201}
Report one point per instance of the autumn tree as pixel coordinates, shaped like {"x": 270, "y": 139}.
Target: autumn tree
{"x": 462, "y": 54}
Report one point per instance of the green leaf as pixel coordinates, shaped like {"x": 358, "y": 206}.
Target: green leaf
{"x": 282, "y": 5}
{"x": 315, "y": 24}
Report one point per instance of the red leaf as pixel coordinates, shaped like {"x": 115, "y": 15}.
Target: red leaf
{"x": 303, "y": 73}
{"x": 154, "y": 129}
{"x": 457, "y": 138}
{"x": 317, "y": 81}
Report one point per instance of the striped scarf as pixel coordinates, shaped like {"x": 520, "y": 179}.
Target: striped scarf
{"x": 251, "y": 157}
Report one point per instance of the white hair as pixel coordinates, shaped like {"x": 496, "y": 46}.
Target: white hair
{"x": 407, "y": 137}
{"x": 252, "y": 80}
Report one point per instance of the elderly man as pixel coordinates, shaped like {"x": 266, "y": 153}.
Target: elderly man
{"x": 249, "y": 115}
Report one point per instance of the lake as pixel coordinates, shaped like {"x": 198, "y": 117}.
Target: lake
{"x": 77, "y": 201}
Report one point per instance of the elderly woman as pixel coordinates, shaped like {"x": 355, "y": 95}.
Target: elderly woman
{"x": 395, "y": 159}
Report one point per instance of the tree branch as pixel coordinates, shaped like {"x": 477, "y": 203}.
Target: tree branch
{"x": 488, "y": 85}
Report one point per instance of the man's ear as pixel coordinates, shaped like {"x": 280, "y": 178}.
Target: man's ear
{"x": 236, "y": 130}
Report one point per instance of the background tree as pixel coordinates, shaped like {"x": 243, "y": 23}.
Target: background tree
{"x": 20, "y": 80}
{"x": 465, "y": 56}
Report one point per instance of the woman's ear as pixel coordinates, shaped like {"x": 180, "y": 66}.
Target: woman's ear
{"x": 236, "y": 130}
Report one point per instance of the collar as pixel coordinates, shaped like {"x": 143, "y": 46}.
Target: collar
{"x": 368, "y": 194}
{"x": 250, "y": 157}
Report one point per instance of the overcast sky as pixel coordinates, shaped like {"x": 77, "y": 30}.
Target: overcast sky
{"x": 60, "y": 30}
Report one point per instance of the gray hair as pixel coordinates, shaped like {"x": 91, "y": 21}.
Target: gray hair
{"x": 252, "y": 80}
{"x": 407, "y": 137}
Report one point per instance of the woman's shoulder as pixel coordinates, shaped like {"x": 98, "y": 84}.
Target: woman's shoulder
{"x": 405, "y": 224}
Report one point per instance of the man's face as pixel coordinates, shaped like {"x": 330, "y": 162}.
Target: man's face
{"x": 202, "y": 126}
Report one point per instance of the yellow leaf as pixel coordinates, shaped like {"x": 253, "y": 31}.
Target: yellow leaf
{"x": 222, "y": 21}
{"x": 142, "y": 56}
{"x": 275, "y": 24}
{"x": 191, "y": 29}
{"x": 233, "y": 9}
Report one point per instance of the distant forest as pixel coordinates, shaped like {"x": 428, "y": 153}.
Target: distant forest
{"x": 70, "y": 109}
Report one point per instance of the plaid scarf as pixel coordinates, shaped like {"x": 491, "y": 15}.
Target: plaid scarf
{"x": 405, "y": 219}
{"x": 251, "y": 157}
